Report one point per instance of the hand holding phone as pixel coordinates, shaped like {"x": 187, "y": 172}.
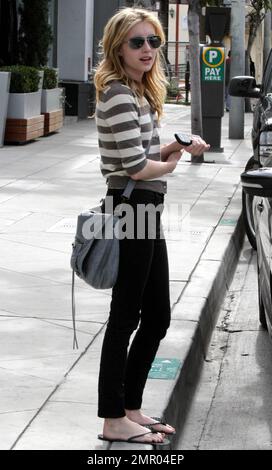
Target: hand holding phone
{"x": 183, "y": 139}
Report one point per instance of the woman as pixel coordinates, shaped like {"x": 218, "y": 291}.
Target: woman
{"x": 130, "y": 85}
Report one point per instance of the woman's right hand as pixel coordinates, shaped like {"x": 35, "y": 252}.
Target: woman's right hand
{"x": 154, "y": 169}
{"x": 173, "y": 159}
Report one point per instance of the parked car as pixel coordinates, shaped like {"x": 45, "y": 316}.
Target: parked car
{"x": 244, "y": 86}
{"x": 257, "y": 184}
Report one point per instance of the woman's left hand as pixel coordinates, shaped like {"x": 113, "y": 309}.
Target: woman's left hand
{"x": 197, "y": 147}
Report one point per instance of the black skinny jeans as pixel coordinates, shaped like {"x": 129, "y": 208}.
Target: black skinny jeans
{"x": 139, "y": 297}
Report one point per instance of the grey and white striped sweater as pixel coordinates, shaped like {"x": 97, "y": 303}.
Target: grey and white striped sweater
{"x": 124, "y": 129}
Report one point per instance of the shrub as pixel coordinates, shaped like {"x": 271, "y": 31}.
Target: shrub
{"x": 50, "y": 78}
{"x": 172, "y": 89}
{"x": 23, "y": 79}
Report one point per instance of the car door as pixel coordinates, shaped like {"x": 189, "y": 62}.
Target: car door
{"x": 263, "y": 218}
{"x": 262, "y": 117}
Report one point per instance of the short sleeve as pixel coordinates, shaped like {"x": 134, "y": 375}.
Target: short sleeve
{"x": 120, "y": 128}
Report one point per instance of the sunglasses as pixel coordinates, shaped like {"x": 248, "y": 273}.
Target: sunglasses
{"x": 138, "y": 42}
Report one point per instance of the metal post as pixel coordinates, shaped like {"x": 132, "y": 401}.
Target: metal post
{"x": 187, "y": 82}
{"x": 237, "y": 67}
{"x": 177, "y": 41}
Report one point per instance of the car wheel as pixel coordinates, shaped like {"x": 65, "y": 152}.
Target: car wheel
{"x": 262, "y": 317}
{"x": 248, "y": 208}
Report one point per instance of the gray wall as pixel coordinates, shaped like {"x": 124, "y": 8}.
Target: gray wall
{"x": 75, "y": 33}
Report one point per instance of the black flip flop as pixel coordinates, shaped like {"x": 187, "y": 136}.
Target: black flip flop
{"x": 158, "y": 421}
{"x": 134, "y": 439}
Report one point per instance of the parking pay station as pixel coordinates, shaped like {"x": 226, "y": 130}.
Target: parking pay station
{"x": 212, "y": 65}
{"x": 212, "y": 60}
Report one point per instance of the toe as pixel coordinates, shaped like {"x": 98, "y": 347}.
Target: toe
{"x": 162, "y": 428}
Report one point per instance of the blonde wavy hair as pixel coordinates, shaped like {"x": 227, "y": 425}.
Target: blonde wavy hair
{"x": 110, "y": 68}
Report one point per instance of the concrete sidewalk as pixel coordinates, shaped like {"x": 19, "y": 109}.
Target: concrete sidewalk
{"x": 48, "y": 397}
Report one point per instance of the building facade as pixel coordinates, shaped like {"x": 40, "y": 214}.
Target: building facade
{"x": 78, "y": 25}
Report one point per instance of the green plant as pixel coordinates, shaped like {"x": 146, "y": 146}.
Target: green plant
{"x": 172, "y": 89}
{"x": 35, "y": 34}
{"x": 50, "y": 78}
{"x": 23, "y": 79}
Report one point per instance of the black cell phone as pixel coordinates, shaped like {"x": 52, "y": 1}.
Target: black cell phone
{"x": 183, "y": 139}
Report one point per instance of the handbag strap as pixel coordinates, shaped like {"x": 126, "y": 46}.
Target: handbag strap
{"x": 125, "y": 196}
{"x": 75, "y": 343}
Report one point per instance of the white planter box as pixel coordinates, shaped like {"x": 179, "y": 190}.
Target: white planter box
{"x": 51, "y": 100}
{"x": 4, "y": 96}
{"x": 24, "y": 105}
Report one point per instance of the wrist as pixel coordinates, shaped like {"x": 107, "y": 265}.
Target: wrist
{"x": 167, "y": 149}
{"x": 175, "y": 147}
{"x": 171, "y": 165}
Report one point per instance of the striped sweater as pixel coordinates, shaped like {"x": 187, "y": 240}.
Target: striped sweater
{"x": 125, "y": 129}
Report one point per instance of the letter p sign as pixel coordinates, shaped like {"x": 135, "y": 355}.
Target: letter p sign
{"x": 212, "y": 56}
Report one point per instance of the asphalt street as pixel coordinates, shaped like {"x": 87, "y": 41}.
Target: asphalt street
{"x": 232, "y": 407}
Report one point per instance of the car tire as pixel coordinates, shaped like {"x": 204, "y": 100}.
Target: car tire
{"x": 262, "y": 317}
{"x": 247, "y": 208}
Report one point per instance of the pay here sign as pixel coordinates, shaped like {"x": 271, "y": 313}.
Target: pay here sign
{"x": 212, "y": 64}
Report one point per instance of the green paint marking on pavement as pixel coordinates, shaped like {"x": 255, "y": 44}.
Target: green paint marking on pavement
{"x": 228, "y": 222}
{"x": 164, "y": 368}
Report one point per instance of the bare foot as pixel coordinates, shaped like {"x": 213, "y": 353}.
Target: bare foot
{"x": 124, "y": 428}
{"x": 138, "y": 417}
